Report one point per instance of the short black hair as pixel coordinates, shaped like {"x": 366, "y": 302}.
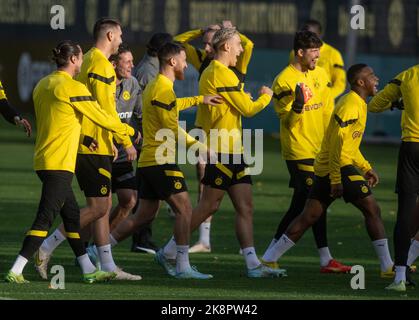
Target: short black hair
{"x": 102, "y": 25}
{"x": 62, "y": 53}
{"x": 122, "y": 49}
{"x": 354, "y": 71}
{"x": 306, "y": 40}
{"x": 157, "y": 41}
{"x": 311, "y": 23}
{"x": 169, "y": 50}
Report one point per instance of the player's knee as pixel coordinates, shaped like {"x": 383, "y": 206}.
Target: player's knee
{"x": 246, "y": 208}
{"x": 212, "y": 207}
{"x": 99, "y": 209}
{"x": 128, "y": 203}
{"x": 310, "y": 216}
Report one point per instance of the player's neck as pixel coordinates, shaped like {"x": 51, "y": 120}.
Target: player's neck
{"x": 168, "y": 73}
{"x": 222, "y": 58}
{"x": 360, "y": 92}
{"x": 104, "y": 48}
{"x": 299, "y": 67}
{"x": 71, "y": 71}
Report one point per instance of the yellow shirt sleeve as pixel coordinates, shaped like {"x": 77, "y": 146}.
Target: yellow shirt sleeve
{"x": 83, "y": 102}
{"x": 338, "y": 158}
{"x": 244, "y": 59}
{"x": 194, "y": 55}
{"x": 383, "y": 99}
{"x": 188, "y": 102}
{"x": 240, "y": 100}
{"x": 2, "y": 92}
{"x": 168, "y": 113}
{"x": 338, "y": 75}
{"x": 361, "y": 162}
{"x": 283, "y": 97}
{"x": 291, "y": 57}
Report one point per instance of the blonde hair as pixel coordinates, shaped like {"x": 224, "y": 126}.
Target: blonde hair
{"x": 222, "y": 36}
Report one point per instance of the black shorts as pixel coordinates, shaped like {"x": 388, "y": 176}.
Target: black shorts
{"x": 225, "y": 174}
{"x": 354, "y": 186}
{"x": 93, "y": 174}
{"x": 160, "y": 182}
{"x": 408, "y": 168}
{"x": 123, "y": 176}
{"x": 301, "y": 174}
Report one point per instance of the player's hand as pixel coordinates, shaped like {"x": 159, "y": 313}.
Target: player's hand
{"x": 398, "y": 104}
{"x": 250, "y": 95}
{"x": 372, "y": 178}
{"x": 131, "y": 153}
{"x": 115, "y": 152}
{"x": 93, "y": 145}
{"x": 25, "y": 124}
{"x": 266, "y": 90}
{"x": 212, "y": 100}
{"x": 336, "y": 190}
{"x": 138, "y": 138}
{"x": 302, "y": 96}
{"x": 212, "y": 27}
{"x": 227, "y": 24}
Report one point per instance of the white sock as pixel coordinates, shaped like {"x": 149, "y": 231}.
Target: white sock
{"x": 278, "y": 249}
{"x": 383, "y": 253}
{"x": 413, "y": 252}
{"x": 19, "y": 264}
{"x": 85, "y": 264}
{"x": 251, "y": 258}
{"x": 112, "y": 240}
{"x": 272, "y": 243}
{"x": 204, "y": 233}
{"x": 182, "y": 258}
{"x": 52, "y": 242}
{"x": 325, "y": 256}
{"x": 170, "y": 249}
{"x": 105, "y": 258}
{"x": 400, "y": 274}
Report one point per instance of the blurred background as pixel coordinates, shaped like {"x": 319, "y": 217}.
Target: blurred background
{"x": 389, "y": 43}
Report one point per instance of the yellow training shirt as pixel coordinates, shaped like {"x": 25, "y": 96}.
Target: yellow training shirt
{"x": 343, "y": 137}
{"x": 98, "y": 75}
{"x": 405, "y": 86}
{"x": 161, "y": 111}
{"x": 221, "y": 80}
{"x": 60, "y": 105}
{"x": 2, "y": 92}
{"x": 302, "y": 134}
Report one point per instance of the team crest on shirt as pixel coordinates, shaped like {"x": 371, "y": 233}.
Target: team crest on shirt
{"x": 309, "y": 181}
{"x": 126, "y": 95}
{"x": 104, "y": 190}
{"x": 364, "y": 189}
{"x": 316, "y": 83}
{"x": 219, "y": 181}
{"x": 178, "y": 185}
{"x": 357, "y": 134}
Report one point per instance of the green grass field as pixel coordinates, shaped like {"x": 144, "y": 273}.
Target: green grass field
{"x": 348, "y": 240}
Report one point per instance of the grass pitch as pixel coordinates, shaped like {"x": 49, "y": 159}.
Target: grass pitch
{"x": 20, "y": 192}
